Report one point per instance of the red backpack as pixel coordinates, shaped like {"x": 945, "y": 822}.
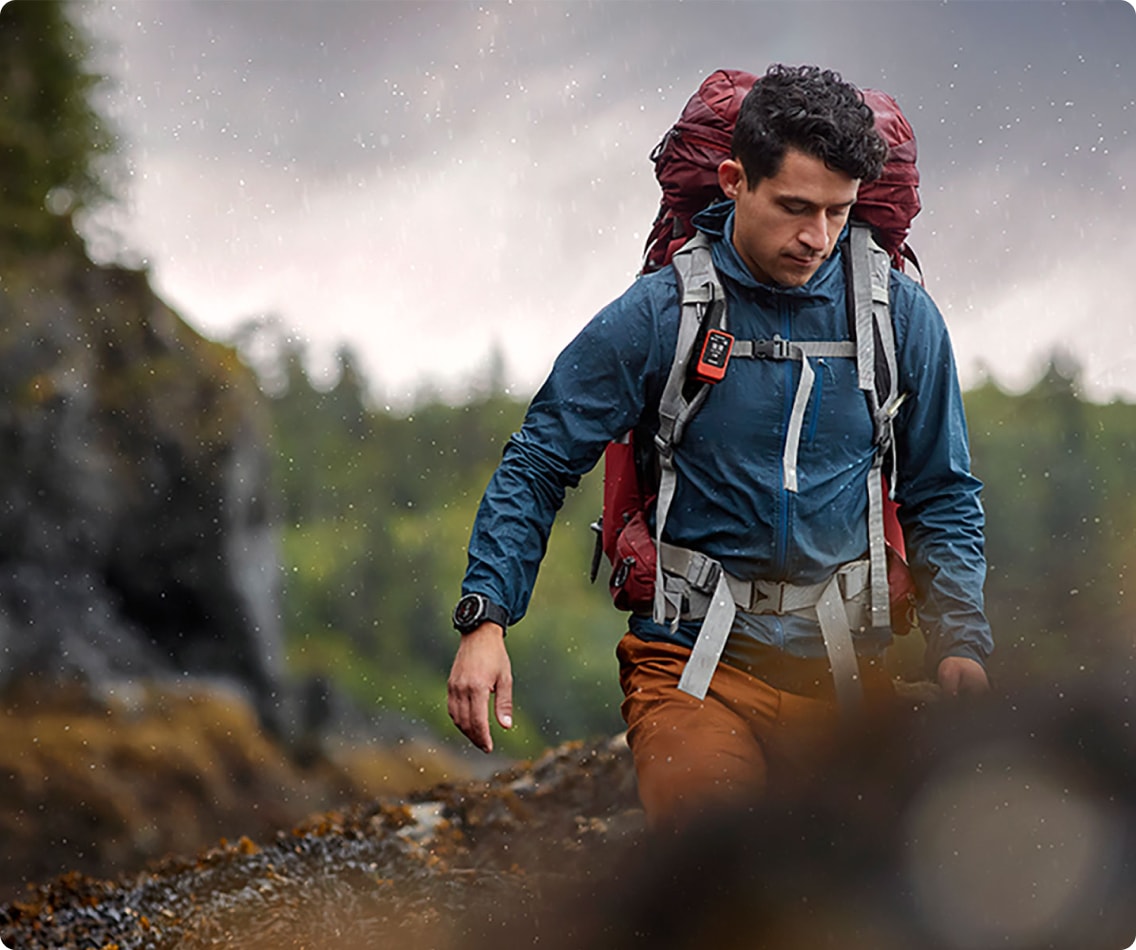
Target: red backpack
{"x": 686, "y": 166}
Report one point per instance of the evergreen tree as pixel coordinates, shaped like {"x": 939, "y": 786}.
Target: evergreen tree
{"x": 53, "y": 142}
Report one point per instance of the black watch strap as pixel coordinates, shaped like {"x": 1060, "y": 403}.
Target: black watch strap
{"x": 475, "y": 609}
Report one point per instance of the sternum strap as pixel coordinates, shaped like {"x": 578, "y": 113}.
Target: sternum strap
{"x": 779, "y": 349}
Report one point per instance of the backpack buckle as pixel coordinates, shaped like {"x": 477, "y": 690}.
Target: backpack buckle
{"x": 703, "y": 574}
{"x": 768, "y": 598}
{"x": 775, "y": 349}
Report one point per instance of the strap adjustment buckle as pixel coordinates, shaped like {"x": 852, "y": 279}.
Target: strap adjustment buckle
{"x": 703, "y": 574}
{"x": 775, "y": 349}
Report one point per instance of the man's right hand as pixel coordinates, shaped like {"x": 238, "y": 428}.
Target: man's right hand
{"x": 481, "y": 667}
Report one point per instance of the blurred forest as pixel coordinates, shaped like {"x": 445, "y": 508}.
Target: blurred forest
{"x": 375, "y": 511}
{"x": 374, "y": 505}
{"x": 377, "y": 506}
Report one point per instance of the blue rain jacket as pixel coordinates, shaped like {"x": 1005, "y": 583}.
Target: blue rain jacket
{"x": 729, "y": 502}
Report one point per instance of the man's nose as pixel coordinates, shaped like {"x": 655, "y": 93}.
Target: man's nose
{"x": 814, "y": 233}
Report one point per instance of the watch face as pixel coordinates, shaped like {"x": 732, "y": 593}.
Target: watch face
{"x": 468, "y": 610}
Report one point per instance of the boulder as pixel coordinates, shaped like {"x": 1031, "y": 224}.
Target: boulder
{"x": 136, "y": 522}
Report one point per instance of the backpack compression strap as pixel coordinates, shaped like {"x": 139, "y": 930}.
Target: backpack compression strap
{"x": 870, "y": 272}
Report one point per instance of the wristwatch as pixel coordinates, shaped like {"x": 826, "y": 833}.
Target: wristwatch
{"x": 475, "y": 609}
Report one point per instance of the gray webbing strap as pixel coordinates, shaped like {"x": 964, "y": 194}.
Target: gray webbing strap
{"x": 791, "y": 450}
{"x": 665, "y": 594}
{"x": 837, "y": 635}
{"x": 881, "y": 314}
{"x": 707, "y": 651}
{"x": 862, "y": 302}
{"x": 796, "y": 422}
{"x": 877, "y": 550}
{"x": 700, "y": 573}
{"x": 783, "y": 598}
{"x": 826, "y": 600}
{"x": 700, "y": 288}
{"x": 793, "y": 350}
{"x": 779, "y": 349}
{"x": 870, "y": 274}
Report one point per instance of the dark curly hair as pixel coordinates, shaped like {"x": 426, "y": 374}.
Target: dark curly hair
{"x": 810, "y": 109}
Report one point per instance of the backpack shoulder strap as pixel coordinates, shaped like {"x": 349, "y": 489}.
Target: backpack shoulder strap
{"x": 702, "y": 305}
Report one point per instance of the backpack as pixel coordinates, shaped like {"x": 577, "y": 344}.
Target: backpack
{"x": 687, "y": 158}
{"x": 686, "y": 162}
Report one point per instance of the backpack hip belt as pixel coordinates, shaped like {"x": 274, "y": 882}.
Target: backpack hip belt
{"x": 839, "y": 604}
{"x": 700, "y": 574}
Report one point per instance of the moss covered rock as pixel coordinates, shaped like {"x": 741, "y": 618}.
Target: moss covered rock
{"x": 136, "y": 535}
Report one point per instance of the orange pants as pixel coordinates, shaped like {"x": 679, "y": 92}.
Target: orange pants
{"x": 724, "y": 751}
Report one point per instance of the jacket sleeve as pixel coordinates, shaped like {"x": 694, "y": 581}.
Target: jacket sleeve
{"x": 594, "y": 393}
{"x": 940, "y": 509}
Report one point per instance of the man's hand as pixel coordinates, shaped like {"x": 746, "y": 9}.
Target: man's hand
{"x": 959, "y": 674}
{"x": 481, "y": 667}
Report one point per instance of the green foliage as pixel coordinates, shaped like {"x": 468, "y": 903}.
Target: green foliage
{"x": 377, "y": 512}
{"x": 379, "y": 506}
{"x": 1061, "y": 525}
{"x": 53, "y": 143}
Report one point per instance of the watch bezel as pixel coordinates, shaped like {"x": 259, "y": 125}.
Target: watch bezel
{"x": 479, "y": 609}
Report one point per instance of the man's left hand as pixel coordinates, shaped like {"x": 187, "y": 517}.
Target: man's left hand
{"x": 960, "y": 674}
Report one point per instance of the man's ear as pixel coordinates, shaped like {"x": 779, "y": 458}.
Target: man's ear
{"x": 731, "y": 178}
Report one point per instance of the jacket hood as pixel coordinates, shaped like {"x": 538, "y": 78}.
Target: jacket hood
{"x": 717, "y": 222}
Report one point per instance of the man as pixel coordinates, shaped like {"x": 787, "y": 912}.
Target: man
{"x": 803, "y": 142}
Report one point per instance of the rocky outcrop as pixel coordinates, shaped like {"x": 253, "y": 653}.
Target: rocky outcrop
{"x": 136, "y": 537}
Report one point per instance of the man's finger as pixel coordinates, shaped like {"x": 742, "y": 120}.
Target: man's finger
{"x": 462, "y": 703}
{"x": 503, "y": 703}
{"x": 479, "y": 720}
{"x": 962, "y": 675}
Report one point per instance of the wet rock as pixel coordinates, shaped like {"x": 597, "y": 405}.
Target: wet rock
{"x": 136, "y": 532}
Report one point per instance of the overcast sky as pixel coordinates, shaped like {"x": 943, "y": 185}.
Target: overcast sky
{"x": 428, "y": 181}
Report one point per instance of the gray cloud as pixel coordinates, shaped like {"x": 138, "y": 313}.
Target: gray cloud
{"x": 472, "y": 158}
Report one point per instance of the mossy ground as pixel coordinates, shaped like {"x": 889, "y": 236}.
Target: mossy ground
{"x": 104, "y": 786}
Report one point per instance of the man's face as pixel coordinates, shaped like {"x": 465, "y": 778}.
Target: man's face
{"x": 786, "y": 226}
